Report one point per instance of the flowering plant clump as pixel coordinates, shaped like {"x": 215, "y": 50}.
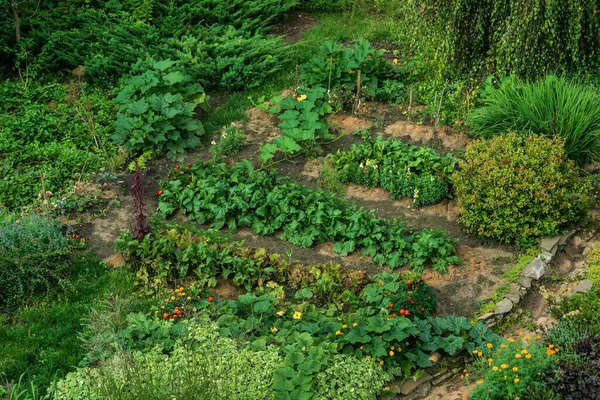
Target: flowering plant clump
{"x": 231, "y": 141}
{"x": 509, "y": 370}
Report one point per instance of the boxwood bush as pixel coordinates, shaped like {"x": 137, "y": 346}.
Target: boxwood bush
{"x": 514, "y": 188}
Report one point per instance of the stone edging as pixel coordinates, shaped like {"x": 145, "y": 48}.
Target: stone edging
{"x": 531, "y": 274}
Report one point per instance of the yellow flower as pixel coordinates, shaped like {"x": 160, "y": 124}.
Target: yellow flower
{"x": 297, "y": 315}
{"x": 172, "y": 298}
{"x": 517, "y": 356}
{"x": 274, "y": 330}
{"x": 515, "y": 369}
{"x": 495, "y": 368}
{"x": 528, "y": 356}
{"x": 517, "y": 398}
{"x": 511, "y": 339}
{"x": 475, "y": 352}
{"x": 480, "y": 354}
{"x": 344, "y": 326}
{"x": 302, "y": 97}
{"x": 490, "y": 360}
{"x": 338, "y": 333}
{"x": 550, "y": 346}
{"x": 524, "y": 352}
{"x": 392, "y": 348}
{"x": 504, "y": 366}
{"x": 162, "y": 307}
{"x": 503, "y": 346}
{"x": 280, "y": 313}
{"x": 367, "y": 357}
{"x": 391, "y": 353}
{"x": 489, "y": 345}
{"x": 355, "y": 324}
{"x": 550, "y": 352}
{"x": 189, "y": 298}
{"x": 480, "y": 382}
{"x": 395, "y": 61}
{"x": 516, "y": 380}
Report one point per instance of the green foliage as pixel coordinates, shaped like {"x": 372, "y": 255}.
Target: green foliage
{"x": 179, "y": 252}
{"x": 35, "y": 259}
{"x": 348, "y": 378}
{"x": 513, "y": 368}
{"x": 267, "y": 203}
{"x": 203, "y": 365}
{"x": 513, "y": 188}
{"x": 593, "y": 259}
{"x": 302, "y": 122}
{"x": 228, "y": 57}
{"x": 336, "y": 69}
{"x": 404, "y": 170}
{"x": 324, "y": 5}
{"x": 526, "y": 38}
{"x": 552, "y": 106}
{"x": 156, "y": 111}
{"x": 41, "y": 343}
{"x": 45, "y": 134}
{"x": 231, "y": 141}
{"x": 399, "y": 295}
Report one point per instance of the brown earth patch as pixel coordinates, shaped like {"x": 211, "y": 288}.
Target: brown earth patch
{"x": 456, "y": 389}
{"x": 312, "y": 168}
{"x": 349, "y": 123}
{"x": 226, "y": 289}
{"x": 261, "y": 127}
{"x": 424, "y": 134}
{"x": 294, "y": 27}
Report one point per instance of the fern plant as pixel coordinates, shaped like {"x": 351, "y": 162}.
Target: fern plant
{"x": 156, "y": 111}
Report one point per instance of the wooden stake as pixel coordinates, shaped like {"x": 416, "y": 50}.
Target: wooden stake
{"x": 297, "y": 85}
{"x": 357, "y": 100}
{"x": 410, "y": 102}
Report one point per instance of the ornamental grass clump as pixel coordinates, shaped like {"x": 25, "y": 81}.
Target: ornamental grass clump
{"x": 514, "y": 188}
{"x": 507, "y": 371}
{"x": 552, "y": 106}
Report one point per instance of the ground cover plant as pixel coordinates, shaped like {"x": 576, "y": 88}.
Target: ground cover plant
{"x": 267, "y": 204}
{"x": 403, "y": 170}
{"x": 513, "y": 188}
{"x": 51, "y": 136}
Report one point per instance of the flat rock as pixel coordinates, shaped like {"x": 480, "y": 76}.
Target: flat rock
{"x": 550, "y": 245}
{"x": 584, "y": 286}
{"x": 515, "y": 289}
{"x": 525, "y": 282}
{"x": 411, "y": 384}
{"x": 504, "y": 306}
{"x": 486, "y": 316}
{"x": 513, "y": 297}
{"x": 534, "y": 270}
{"x": 565, "y": 237}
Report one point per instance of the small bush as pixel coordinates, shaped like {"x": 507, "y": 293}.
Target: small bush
{"x": 156, "y": 111}
{"x": 552, "y": 106}
{"x": 34, "y": 258}
{"x": 513, "y": 188}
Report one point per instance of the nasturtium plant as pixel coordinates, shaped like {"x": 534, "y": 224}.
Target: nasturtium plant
{"x": 157, "y": 111}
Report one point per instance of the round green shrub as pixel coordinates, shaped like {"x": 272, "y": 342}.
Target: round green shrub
{"x": 514, "y": 188}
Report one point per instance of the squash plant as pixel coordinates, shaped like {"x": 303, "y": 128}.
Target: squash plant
{"x": 156, "y": 111}
{"x": 302, "y": 121}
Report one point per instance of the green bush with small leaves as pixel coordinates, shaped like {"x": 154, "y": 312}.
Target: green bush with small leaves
{"x": 157, "y": 110}
{"x": 514, "y": 188}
